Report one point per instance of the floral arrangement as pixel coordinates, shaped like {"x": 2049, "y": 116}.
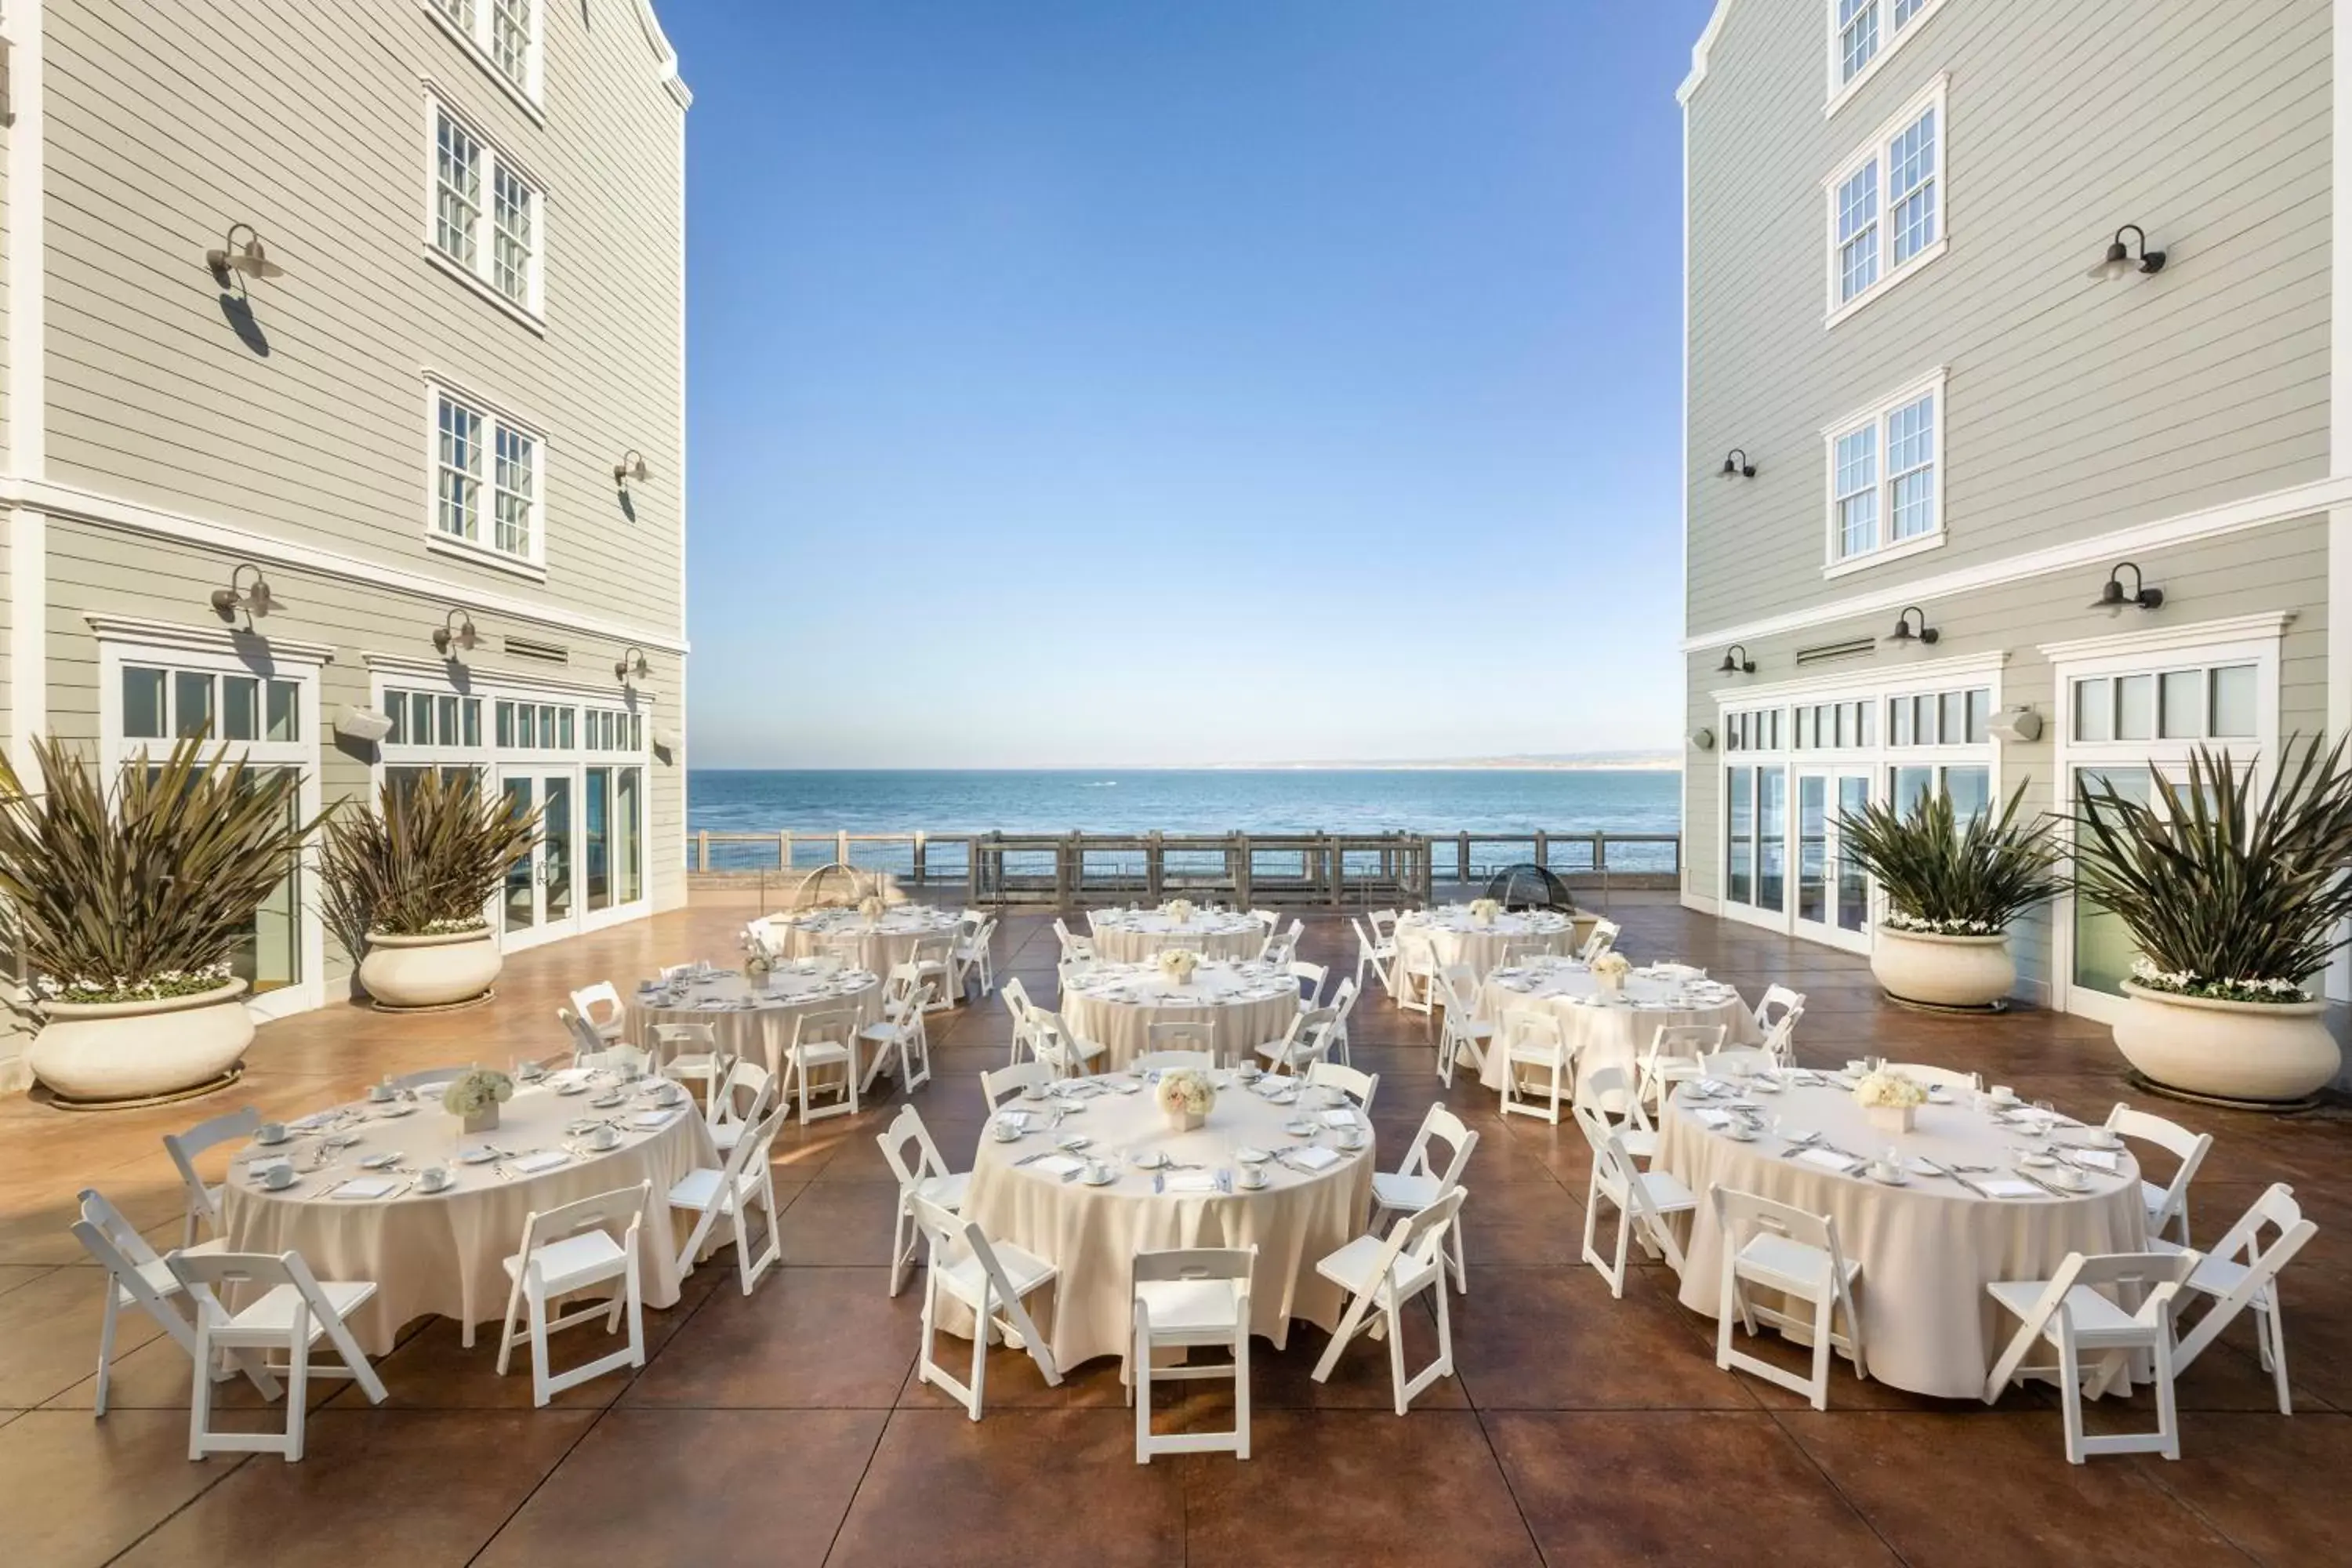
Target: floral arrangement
{"x": 1185, "y": 1092}
{"x": 1886, "y": 1089}
{"x": 871, "y": 906}
{"x": 1611, "y": 967}
{"x": 1180, "y": 911}
{"x": 2183, "y": 983}
{"x": 1925, "y": 925}
{"x": 1178, "y": 964}
{"x": 159, "y": 987}
{"x": 1484, "y": 910}
{"x": 474, "y": 1090}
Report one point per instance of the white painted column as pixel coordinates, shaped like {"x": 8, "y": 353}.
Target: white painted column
{"x": 28, "y": 606}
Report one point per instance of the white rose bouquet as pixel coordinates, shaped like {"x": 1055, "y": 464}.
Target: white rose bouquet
{"x": 1180, "y": 911}
{"x": 1886, "y": 1089}
{"x": 476, "y": 1095}
{"x": 1482, "y": 911}
{"x": 871, "y": 906}
{"x": 1185, "y": 1097}
{"x": 1178, "y": 964}
{"x": 1611, "y": 968}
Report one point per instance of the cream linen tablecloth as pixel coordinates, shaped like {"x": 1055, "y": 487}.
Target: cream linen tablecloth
{"x": 1092, "y": 1233}
{"x": 442, "y": 1252}
{"x": 763, "y": 1029}
{"x": 882, "y": 944}
{"x": 1116, "y": 1003}
{"x": 1609, "y": 1033}
{"x": 1448, "y": 936}
{"x": 1132, "y": 936}
{"x": 1927, "y": 1249}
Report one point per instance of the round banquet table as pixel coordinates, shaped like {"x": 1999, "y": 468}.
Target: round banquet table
{"x": 883, "y": 943}
{"x": 1133, "y": 936}
{"x": 1091, "y": 1234}
{"x": 1447, "y": 936}
{"x": 1929, "y": 1248}
{"x": 442, "y": 1252}
{"x": 1115, "y": 1005}
{"x": 1605, "y": 1031}
{"x": 749, "y": 1019}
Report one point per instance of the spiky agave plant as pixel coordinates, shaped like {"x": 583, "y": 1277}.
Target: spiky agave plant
{"x": 2227, "y": 890}
{"x": 1947, "y": 880}
{"x": 424, "y": 862}
{"x": 144, "y": 895}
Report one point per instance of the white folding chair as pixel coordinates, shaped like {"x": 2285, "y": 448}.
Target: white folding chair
{"x": 925, "y": 1176}
{"x": 689, "y": 1053}
{"x": 989, "y": 1276}
{"x": 2070, "y": 1314}
{"x": 1379, "y": 1277}
{"x": 1311, "y": 979}
{"x": 901, "y": 1031}
{"x": 286, "y": 1309}
{"x": 760, "y": 936}
{"x": 935, "y": 965}
{"x": 1267, "y": 918}
{"x": 746, "y": 1178}
{"x": 2168, "y": 1206}
{"x": 1013, "y": 1082}
{"x": 1016, "y": 997}
{"x": 1771, "y": 1246}
{"x": 565, "y": 1250}
{"x": 203, "y": 1200}
{"x": 1673, "y": 1057}
{"x": 599, "y": 1006}
{"x": 1281, "y": 947}
{"x": 846, "y": 949}
{"x": 1343, "y": 1004}
{"x": 1383, "y": 924}
{"x": 1198, "y": 1296}
{"x": 1416, "y": 972}
{"x": 1373, "y": 956}
{"x": 1461, "y": 1036}
{"x": 1643, "y": 1198}
{"x": 1174, "y": 1061}
{"x": 739, "y": 1104}
{"x": 1052, "y": 1042}
{"x": 1306, "y": 1040}
{"x": 1599, "y": 940}
{"x": 2240, "y": 1272}
{"x": 1074, "y": 948}
{"x": 1927, "y": 1077}
{"x": 585, "y": 1041}
{"x": 1735, "y": 1061}
{"x": 1184, "y": 1034}
{"x": 612, "y": 1059}
{"x": 1609, "y": 1094}
{"x": 136, "y": 1277}
{"x": 1353, "y": 1082}
{"x": 1534, "y": 1044}
{"x": 1777, "y": 1012}
{"x": 972, "y": 958}
{"x": 1419, "y": 1181}
{"x": 826, "y": 1041}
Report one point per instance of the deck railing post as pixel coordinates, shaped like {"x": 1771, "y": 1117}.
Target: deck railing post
{"x": 1238, "y": 858}
{"x": 919, "y": 857}
{"x": 783, "y": 854}
{"x": 1155, "y": 871}
{"x": 702, "y": 850}
{"x": 1543, "y": 859}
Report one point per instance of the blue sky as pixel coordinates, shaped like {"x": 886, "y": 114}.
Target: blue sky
{"x": 1085, "y": 382}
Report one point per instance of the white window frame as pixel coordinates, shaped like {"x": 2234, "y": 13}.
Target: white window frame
{"x": 1879, "y": 416}
{"x": 476, "y": 35}
{"x": 197, "y": 650}
{"x": 1874, "y": 153}
{"x": 479, "y": 272}
{"x": 1891, "y": 37}
{"x": 497, "y": 420}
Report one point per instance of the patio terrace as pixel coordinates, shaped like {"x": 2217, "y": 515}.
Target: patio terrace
{"x": 786, "y": 1427}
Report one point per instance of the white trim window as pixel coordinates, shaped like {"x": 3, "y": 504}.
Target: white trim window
{"x": 502, "y": 36}
{"x": 486, "y": 481}
{"x": 474, "y": 181}
{"x": 1886, "y": 205}
{"x": 1863, "y": 34}
{"x": 1886, "y": 478}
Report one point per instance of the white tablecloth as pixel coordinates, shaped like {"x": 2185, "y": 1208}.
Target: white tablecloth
{"x": 1132, "y": 936}
{"x": 1449, "y": 936}
{"x": 1609, "y": 1032}
{"x": 881, "y": 944}
{"x": 1116, "y": 1003}
{"x": 763, "y": 1029}
{"x": 1092, "y": 1233}
{"x": 1927, "y": 1249}
{"x": 442, "y": 1252}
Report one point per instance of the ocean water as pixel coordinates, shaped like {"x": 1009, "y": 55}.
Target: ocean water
{"x": 1176, "y": 801}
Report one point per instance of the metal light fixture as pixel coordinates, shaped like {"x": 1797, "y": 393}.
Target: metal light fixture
{"x": 1736, "y": 661}
{"x": 631, "y": 466}
{"x": 255, "y": 602}
{"x": 455, "y": 632}
{"x": 1737, "y": 464}
{"x": 1925, "y": 634}
{"x": 633, "y": 663}
{"x": 2118, "y": 259}
{"x": 2112, "y": 597}
{"x": 1703, "y": 739}
{"x": 247, "y": 255}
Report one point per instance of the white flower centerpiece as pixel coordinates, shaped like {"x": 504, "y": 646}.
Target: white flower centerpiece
{"x": 1185, "y": 1097}
{"x": 872, "y": 907}
{"x": 1482, "y": 911}
{"x": 1610, "y": 969}
{"x": 1176, "y": 964}
{"x": 1180, "y": 912}
{"x": 759, "y": 962}
{"x": 475, "y": 1096}
{"x": 1892, "y": 1100}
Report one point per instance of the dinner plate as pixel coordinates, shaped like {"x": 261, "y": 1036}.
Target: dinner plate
{"x": 394, "y": 1112}
{"x": 480, "y": 1154}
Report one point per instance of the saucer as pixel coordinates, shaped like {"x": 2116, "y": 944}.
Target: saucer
{"x": 1004, "y": 1133}
{"x": 393, "y": 1114}
{"x": 2037, "y": 1161}
{"x": 1108, "y": 1176}
{"x": 606, "y": 1101}
{"x": 479, "y": 1154}
{"x": 573, "y": 1086}
{"x": 1249, "y": 1156}
{"x": 442, "y": 1185}
{"x": 1890, "y": 1179}
{"x": 1073, "y": 1143}
{"x": 1298, "y": 1127}
{"x": 1740, "y": 1132}
{"x": 1149, "y": 1160}
{"x": 1252, "y": 1179}
{"x": 278, "y": 1142}
{"x": 378, "y": 1161}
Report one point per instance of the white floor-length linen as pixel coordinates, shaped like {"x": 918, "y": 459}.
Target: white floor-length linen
{"x": 882, "y": 944}
{"x": 1604, "y": 1031}
{"x": 1133, "y": 936}
{"x": 1449, "y": 936}
{"x": 1118, "y": 1003}
{"x": 751, "y": 1020}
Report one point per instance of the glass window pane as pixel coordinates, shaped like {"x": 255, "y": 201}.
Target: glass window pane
{"x": 506, "y": 724}
{"x": 1898, "y": 728}
{"x": 2094, "y": 709}
{"x": 284, "y": 717}
{"x": 1980, "y": 729}
{"x": 1740, "y": 840}
{"x": 2183, "y": 700}
{"x": 1771, "y": 837}
{"x": 473, "y": 721}
{"x": 420, "y": 717}
{"x": 240, "y": 708}
{"x": 1865, "y": 716}
{"x": 2103, "y": 948}
{"x": 2136, "y": 707}
{"x": 1956, "y": 718}
{"x": 1911, "y": 786}
{"x": 636, "y": 732}
{"x": 2234, "y": 702}
{"x": 143, "y": 703}
{"x": 396, "y": 707}
{"x": 192, "y": 703}
{"x": 444, "y": 730}
{"x": 1971, "y": 791}
{"x": 628, "y": 837}
{"x": 546, "y": 727}
{"x": 563, "y": 727}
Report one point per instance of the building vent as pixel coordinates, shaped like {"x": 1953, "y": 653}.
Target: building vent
{"x": 1854, "y": 647}
{"x": 544, "y": 652}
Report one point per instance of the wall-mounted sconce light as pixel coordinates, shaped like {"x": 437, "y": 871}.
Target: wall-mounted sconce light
{"x": 455, "y": 632}
{"x": 365, "y": 725}
{"x": 1736, "y": 661}
{"x": 1925, "y": 634}
{"x": 255, "y": 601}
{"x": 666, "y": 741}
{"x": 631, "y": 466}
{"x": 633, "y": 663}
{"x": 1702, "y": 740}
{"x": 2112, "y": 597}
{"x": 2118, "y": 258}
{"x": 245, "y": 255}
{"x": 2018, "y": 725}
{"x": 1737, "y": 464}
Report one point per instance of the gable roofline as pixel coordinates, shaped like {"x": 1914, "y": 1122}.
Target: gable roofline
{"x": 665, "y": 56}
{"x": 1700, "y": 50}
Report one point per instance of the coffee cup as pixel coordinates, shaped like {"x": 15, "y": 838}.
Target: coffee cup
{"x": 380, "y": 1093}
{"x": 604, "y": 1137}
{"x": 2072, "y": 1179}
{"x": 433, "y": 1178}
{"x": 2003, "y": 1094}
{"x": 270, "y": 1132}
{"x": 1351, "y": 1138}
{"x": 1252, "y": 1176}
{"x": 1097, "y": 1172}
{"x": 277, "y": 1176}
{"x": 1885, "y": 1169}
{"x": 1033, "y": 1091}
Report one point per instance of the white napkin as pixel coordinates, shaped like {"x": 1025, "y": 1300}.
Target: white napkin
{"x": 1830, "y": 1160}
{"x": 546, "y": 1160}
{"x": 1715, "y": 1120}
{"x": 2003, "y": 1188}
{"x": 1015, "y": 1119}
{"x": 650, "y": 1118}
{"x": 1185, "y": 1181}
{"x": 364, "y": 1188}
{"x": 1343, "y": 1117}
{"x": 1057, "y": 1165}
{"x": 1315, "y": 1159}
{"x": 2106, "y": 1160}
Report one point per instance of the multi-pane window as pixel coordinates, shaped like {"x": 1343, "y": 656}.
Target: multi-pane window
{"x": 606, "y": 730}
{"x": 1862, "y": 33}
{"x": 1756, "y": 730}
{"x": 477, "y": 452}
{"x": 457, "y": 190}
{"x": 510, "y": 22}
{"x": 1857, "y": 492}
{"x": 174, "y": 704}
{"x": 1886, "y": 480}
{"x": 1886, "y": 205}
{"x": 518, "y": 466}
{"x": 470, "y": 174}
{"x": 510, "y": 215}
{"x": 1958, "y": 718}
{"x": 503, "y": 35}
{"x": 442, "y": 720}
{"x": 1834, "y": 726}
{"x": 1857, "y": 41}
{"x": 460, "y": 11}
{"x": 2212, "y": 703}
{"x": 457, "y": 509}
{"x": 537, "y": 727}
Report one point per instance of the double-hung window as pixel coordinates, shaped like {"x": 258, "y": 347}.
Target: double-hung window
{"x": 503, "y": 37}
{"x": 1886, "y": 477}
{"x": 485, "y": 219}
{"x": 1886, "y": 205}
{"x": 1862, "y": 34}
{"x": 486, "y": 479}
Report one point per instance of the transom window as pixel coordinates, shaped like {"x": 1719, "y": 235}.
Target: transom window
{"x": 2213, "y": 703}
{"x": 1834, "y": 726}
{"x": 172, "y": 704}
{"x": 537, "y": 727}
{"x": 441, "y": 719}
{"x": 1885, "y": 205}
{"x": 468, "y": 171}
{"x": 1961, "y": 718}
{"x": 608, "y": 730}
{"x": 478, "y": 452}
{"x": 1885, "y": 477}
{"x": 503, "y": 37}
{"x": 1756, "y": 730}
{"x": 1862, "y": 33}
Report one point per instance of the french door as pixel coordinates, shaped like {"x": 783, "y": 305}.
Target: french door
{"x": 542, "y": 900}
{"x": 1833, "y": 895}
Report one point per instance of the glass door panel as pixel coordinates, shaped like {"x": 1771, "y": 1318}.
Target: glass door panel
{"x": 1813, "y": 847}
{"x": 556, "y": 868}
{"x": 628, "y": 836}
{"x": 2103, "y": 948}
{"x": 269, "y": 956}
{"x": 1852, "y": 885}
{"x": 599, "y": 802}
{"x": 1772, "y": 839}
{"x": 520, "y": 900}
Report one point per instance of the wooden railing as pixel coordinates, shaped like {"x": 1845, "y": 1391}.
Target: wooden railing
{"x": 1072, "y": 868}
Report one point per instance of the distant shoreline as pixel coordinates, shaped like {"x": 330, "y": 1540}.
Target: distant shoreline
{"x": 1515, "y": 766}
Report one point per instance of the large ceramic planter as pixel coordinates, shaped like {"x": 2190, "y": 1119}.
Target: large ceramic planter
{"x": 1943, "y": 971}
{"x": 430, "y": 971}
{"x": 2254, "y": 1052}
{"x": 100, "y": 1053}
